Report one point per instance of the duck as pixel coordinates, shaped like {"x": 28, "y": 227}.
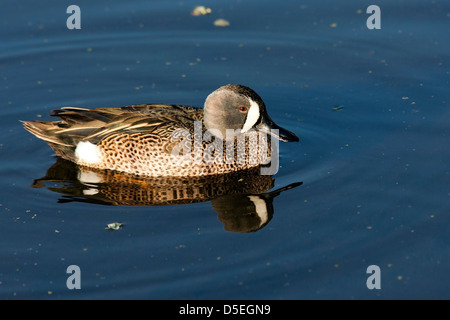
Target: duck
{"x": 156, "y": 140}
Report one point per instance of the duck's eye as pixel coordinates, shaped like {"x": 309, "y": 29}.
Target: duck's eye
{"x": 243, "y": 109}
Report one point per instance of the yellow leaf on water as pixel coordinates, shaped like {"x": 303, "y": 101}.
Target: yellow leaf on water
{"x": 221, "y": 23}
{"x": 114, "y": 226}
{"x": 201, "y": 11}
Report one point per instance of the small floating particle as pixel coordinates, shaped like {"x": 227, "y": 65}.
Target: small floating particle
{"x": 337, "y": 108}
{"x": 221, "y": 23}
{"x": 333, "y": 25}
{"x": 201, "y": 11}
{"x": 405, "y": 98}
{"x": 114, "y": 226}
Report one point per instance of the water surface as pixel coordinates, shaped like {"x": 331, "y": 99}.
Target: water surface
{"x": 371, "y": 108}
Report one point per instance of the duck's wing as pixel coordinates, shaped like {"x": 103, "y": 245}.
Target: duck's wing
{"x": 80, "y": 124}
{"x": 171, "y": 112}
{"x": 146, "y": 119}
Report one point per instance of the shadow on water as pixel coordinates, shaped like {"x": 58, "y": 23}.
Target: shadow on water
{"x": 242, "y": 200}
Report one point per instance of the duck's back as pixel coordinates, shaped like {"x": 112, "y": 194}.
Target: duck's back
{"x": 137, "y": 139}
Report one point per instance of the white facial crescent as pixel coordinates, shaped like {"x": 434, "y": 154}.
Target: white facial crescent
{"x": 261, "y": 209}
{"x": 252, "y": 116}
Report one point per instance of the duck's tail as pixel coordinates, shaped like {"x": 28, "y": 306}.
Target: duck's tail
{"x": 75, "y": 125}
{"x": 63, "y": 145}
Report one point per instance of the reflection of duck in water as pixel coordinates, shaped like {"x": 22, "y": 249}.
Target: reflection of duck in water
{"x": 168, "y": 140}
{"x": 240, "y": 199}
{"x": 247, "y": 212}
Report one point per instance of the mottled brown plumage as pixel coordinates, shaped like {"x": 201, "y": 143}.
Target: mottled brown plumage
{"x": 142, "y": 139}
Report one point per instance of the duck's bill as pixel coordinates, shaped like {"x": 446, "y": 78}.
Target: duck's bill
{"x": 278, "y": 132}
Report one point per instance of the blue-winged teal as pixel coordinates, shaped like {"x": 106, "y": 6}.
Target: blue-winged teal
{"x": 139, "y": 139}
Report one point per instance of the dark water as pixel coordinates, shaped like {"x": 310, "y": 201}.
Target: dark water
{"x": 371, "y": 108}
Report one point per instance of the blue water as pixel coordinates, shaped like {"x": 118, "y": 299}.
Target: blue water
{"x": 371, "y": 107}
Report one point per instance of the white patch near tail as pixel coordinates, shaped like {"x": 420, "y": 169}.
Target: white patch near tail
{"x": 252, "y": 116}
{"x": 88, "y": 153}
{"x": 89, "y": 177}
{"x": 90, "y": 192}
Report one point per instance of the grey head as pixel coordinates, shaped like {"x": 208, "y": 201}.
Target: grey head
{"x": 238, "y": 107}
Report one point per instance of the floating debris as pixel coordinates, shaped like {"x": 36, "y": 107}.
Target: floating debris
{"x": 114, "y": 226}
{"x": 337, "y": 108}
{"x": 201, "y": 11}
{"x": 221, "y": 23}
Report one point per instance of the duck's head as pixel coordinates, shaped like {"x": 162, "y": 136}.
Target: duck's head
{"x": 238, "y": 107}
